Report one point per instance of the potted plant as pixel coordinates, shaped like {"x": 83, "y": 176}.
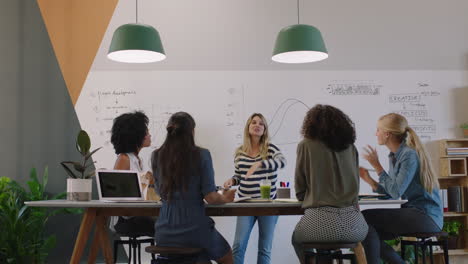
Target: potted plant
{"x": 79, "y": 185}
{"x": 452, "y": 228}
{"x": 464, "y": 127}
{"x": 23, "y": 237}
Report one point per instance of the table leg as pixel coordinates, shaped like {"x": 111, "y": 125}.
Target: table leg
{"x": 83, "y": 234}
{"x": 94, "y": 246}
{"x": 101, "y": 224}
{"x": 360, "y": 254}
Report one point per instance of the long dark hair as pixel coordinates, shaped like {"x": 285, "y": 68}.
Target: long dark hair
{"x": 178, "y": 157}
{"x": 128, "y": 132}
{"x": 329, "y": 125}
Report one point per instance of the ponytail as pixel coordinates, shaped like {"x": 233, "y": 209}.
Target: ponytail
{"x": 427, "y": 175}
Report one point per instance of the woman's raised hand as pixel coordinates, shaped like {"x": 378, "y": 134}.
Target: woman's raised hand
{"x": 370, "y": 154}
{"x": 228, "y": 183}
{"x": 253, "y": 168}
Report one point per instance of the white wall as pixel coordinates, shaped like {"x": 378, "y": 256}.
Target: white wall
{"x": 221, "y": 102}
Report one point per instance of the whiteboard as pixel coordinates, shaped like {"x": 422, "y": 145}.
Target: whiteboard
{"x": 221, "y": 102}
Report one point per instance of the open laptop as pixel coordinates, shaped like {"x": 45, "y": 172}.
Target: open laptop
{"x": 119, "y": 186}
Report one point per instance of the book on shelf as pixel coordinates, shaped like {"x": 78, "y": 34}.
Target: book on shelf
{"x": 444, "y": 199}
{"x": 454, "y": 196}
{"x": 457, "y": 149}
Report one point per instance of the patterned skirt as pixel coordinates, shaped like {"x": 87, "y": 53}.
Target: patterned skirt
{"x": 330, "y": 224}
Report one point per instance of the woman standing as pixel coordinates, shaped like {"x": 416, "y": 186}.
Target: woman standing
{"x": 129, "y": 135}
{"x": 411, "y": 177}
{"x": 184, "y": 176}
{"x": 255, "y": 160}
{"x": 327, "y": 180}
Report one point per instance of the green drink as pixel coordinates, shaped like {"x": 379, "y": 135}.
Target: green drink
{"x": 265, "y": 189}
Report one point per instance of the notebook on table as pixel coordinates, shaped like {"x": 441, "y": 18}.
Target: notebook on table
{"x": 119, "y": 186}
{"x": 372, "y": 196}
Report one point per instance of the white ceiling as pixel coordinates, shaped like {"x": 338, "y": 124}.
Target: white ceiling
{"x": 359, "y": 34}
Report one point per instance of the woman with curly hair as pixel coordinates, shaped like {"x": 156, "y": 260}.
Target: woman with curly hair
{"x": 411, "y": 177}
{"x": 129, "y": 135}
{"x": 327, "y": 180}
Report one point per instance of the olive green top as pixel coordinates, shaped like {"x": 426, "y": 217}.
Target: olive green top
{"x": 324, "y": 177}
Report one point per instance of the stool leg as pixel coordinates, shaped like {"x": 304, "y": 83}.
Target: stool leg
{"x": 431, "y": 252}
{"x": 135, "y": 256}
{"x": 129, "y": 251}
{"x": 152, "y": 255}
{"x": 403, "y": 249}
{"x": 416, "y": 253}
{"x": 139, "y": 253}
{"x": 445, "y": 246}
{"x": 423, "y": 250}
{"x": 360, "y": 254}
{"x": 116, "y": 245}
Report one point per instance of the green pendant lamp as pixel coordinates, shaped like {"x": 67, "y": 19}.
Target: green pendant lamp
{"x": 136, "y": 43}
{"x": 299, "y": 44}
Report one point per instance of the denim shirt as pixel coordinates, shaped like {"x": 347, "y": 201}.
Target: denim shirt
{"x": 402, "y": 180}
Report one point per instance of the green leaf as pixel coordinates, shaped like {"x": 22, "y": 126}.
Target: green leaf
{"x": 78, "y": 167}
{"x": 84, "y": 142}
{"x": 45, "y": 177}
{"x": 59, "y": 196}
{"x": 90, "y": 174}
{"x": 91, "y": 153}
{"x": 67, "y": 169}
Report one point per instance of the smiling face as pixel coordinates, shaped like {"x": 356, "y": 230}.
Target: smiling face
{"x": 256, "y": 127}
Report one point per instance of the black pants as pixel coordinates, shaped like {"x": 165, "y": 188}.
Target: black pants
{"x": 135, "y": 226}
{"x": 386, "y": 224}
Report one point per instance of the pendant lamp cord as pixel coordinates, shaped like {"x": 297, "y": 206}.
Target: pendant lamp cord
{"x": 297, "y": 11}
{"x": 136, "y": 10}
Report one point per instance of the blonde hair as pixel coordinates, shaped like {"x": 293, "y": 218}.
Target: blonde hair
{"x": 264, "y": 139}
{"x": 397, "y": 125}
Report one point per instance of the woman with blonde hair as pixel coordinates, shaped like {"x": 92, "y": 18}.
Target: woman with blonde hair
{"x": 255, "y": 160}
{"x": 411, "y": 177}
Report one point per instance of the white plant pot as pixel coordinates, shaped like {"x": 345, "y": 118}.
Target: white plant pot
{"x": 79, "y": 189}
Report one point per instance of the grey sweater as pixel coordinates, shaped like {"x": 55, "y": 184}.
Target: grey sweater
{"x": 324, "y": 177}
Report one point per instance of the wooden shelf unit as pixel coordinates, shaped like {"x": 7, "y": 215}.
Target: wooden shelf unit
{"x": 453, "y": 172}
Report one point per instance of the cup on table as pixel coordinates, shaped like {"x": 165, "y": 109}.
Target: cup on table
{"x": 265, "y": 189}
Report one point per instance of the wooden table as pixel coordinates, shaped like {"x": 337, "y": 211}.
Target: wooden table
{"x": 98, "y": 212}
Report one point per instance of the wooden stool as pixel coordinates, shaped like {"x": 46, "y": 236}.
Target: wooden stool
{"x": 327, "y": 250}
{"x": 424, "y": 241}
{"x": 134, "y": 244}
{"x": 174, "y": 255}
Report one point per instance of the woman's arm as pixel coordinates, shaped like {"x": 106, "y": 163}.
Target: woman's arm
{"x": 277, "y": 160}
{"x": 300, "y": 184}
{"x": 396, "y": 185}
{"x": 122, "y": 162}
{"x": 216, "y": 198}
{"x": 234, "y": 180}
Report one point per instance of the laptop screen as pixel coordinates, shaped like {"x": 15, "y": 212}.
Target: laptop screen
{"x": 122, "y": 184}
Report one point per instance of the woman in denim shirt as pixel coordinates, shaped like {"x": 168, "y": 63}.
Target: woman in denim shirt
{"x": 411, "y": 177}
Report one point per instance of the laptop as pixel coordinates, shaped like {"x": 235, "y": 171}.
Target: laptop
{"x": 119, "y": 186}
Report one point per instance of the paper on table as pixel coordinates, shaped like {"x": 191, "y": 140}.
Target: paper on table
{"x": 236, "y": 200}
{"x": 286, "y": 200}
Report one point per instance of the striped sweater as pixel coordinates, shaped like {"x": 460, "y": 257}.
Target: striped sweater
{"x": 268, "y": 170}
